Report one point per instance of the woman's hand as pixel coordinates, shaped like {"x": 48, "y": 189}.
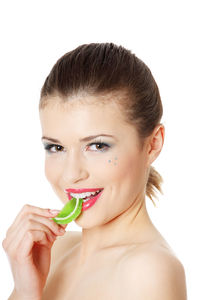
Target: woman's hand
{"x": 28, "y": 245}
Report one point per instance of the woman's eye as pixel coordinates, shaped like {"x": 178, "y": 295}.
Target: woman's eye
{"x": 48, "y": 148}
{"x": 100, "y": 146}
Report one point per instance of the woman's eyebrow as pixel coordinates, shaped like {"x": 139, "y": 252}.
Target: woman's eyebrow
{"x": 91, "y": 137}
{"x": 85, "y": 139}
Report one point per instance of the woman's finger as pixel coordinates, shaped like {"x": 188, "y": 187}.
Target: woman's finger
{"x": 28, "y": 209}
{"x": 33, "y": 222}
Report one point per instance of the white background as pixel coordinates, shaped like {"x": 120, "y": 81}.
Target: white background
{"x": 165, "y": 35}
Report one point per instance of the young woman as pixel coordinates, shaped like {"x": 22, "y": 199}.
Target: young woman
{"x": 100, "y": 113}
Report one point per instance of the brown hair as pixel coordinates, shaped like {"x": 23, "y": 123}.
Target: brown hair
{"x": 105, "y": 68}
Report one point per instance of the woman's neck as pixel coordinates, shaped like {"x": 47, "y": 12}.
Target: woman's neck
{"x": 132, "y": 227}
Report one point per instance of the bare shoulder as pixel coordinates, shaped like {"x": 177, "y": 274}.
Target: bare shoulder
{"x": 63, "y": 244}
{"x": 153, "y": 273}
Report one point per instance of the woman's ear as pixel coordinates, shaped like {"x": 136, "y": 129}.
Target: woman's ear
{"x": 155, "y": 144}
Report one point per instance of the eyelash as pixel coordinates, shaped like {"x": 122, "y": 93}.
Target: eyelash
{"x": 48, "y": 147}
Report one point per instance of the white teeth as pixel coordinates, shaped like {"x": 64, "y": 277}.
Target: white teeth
{"x": 83, "y": 195}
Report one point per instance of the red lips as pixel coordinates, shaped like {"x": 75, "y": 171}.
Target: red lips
{"x": 78, "y": 191}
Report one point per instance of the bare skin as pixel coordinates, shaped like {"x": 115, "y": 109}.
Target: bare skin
{"x": 69, "y": 280}
{"x": 116, "y": 230}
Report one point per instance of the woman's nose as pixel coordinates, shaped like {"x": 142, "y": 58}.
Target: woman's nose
{"x": 74, "y": 170}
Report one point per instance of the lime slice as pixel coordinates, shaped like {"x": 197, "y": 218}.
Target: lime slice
{"x": 70, "y": 211}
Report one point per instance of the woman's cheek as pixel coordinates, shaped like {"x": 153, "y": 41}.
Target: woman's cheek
{"x": 135, "y": 173}
{"x": 51, "y": 169}
{"x": 52, "y": 173}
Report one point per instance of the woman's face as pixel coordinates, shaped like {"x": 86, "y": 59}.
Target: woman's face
{"x": 115, "y": 163}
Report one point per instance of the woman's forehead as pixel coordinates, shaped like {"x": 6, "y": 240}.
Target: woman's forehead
{"x": 82, "y": 118}
{"x": 105, "y": 116}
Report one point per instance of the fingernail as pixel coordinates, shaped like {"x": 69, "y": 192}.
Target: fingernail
{"x": 54, "y": 211}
